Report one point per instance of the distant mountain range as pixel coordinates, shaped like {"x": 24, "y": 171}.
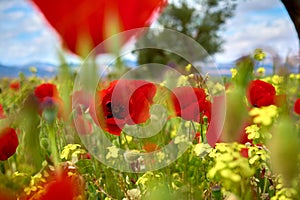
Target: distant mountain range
{"x": 43, "y": 69}
{"x": 50, "y": 70}
{"x": 224, "y": 68}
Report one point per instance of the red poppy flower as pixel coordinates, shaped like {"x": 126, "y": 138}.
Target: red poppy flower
{"x": 243, "y": 139}
{"x": 46, "y": 90}
{"x": 48, "y": 97}
{"x": 297, "y": 106}
{"x": 198, "y": 137}
{"x": 2, "y": 114}
{"x": 244, "y": 152}
{"x": 261, "y": 93}
{"x": 124, "y": 102}
{"x": 14, "y": 86}
{"x": 94, "y": 19}
{"x": 86, "y": 156}
{"x": 8, "y": 143}
{"x": 190, "y": 103}
{"x": 150, "y": 147}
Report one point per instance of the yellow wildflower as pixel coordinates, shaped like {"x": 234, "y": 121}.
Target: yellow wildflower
{"x": 202, "y": 149}
{"x": 182, "y": 80}
{"x": 67, "y": 149}
{"x": 112, "y": 152}
{"x": 252, "y": 132}
{"x": 261, "y": 71}
{"x": 259, "y": 54}
{"x": 277, "y": 79}
{"x": 233, "y": 72}
{"x": 160, "y": 156}
{"x": 188, "y": 68}
{"x": 264, "y": 115}
{"x": 292, "y": 76}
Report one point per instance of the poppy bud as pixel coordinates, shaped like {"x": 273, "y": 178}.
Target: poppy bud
{"x": 50, "y": 109}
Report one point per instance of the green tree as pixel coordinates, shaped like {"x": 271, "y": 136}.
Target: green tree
{"x": 202, "y": 20}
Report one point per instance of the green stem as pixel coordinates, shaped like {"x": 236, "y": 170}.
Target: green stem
{"x": 120, "y": 140}
{"x": 2, "y": 168}
{"x": 265, "y": 184}
{"x": 194, "y": 128}
{"x": 216, "y": 192}
{"x": 53, "y": 147}
{"x": 126, "y": 142}
{"x": 201, "y": 132}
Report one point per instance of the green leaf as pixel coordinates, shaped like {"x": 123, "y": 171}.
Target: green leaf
{"x": 85, "y": 166}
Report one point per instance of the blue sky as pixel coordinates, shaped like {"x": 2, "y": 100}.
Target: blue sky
{"x": 26, "y": 37}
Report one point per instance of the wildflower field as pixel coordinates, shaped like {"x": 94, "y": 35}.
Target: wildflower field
{"x": 150, "y": 132}
{"x": 51, "y": 149}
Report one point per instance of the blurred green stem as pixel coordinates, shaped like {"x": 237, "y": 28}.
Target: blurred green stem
{"x": 265, "y": 185}
{"x": 216, "y": 192}
{"x": 53, "y": 147}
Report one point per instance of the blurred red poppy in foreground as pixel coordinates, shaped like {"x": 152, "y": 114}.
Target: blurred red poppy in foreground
{"x": 297, "y": 106}
{"x": 6, "y": 194}
{"x": 95, "y": 20}
{"x": 2, "y": 114}
{"x": 124, "y": 102}
{"x": 191, "y": 104}
{"x": 64, "y": 187}
{"x": 61, "y": 184}
{"x": 261, "y": 93}
{"x": 8, "y": 143}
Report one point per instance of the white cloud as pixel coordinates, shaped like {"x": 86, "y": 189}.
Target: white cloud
{"x": 14, "y": 15}
{"x": 25, "y": 35}
{"x": 248, "y": 30}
